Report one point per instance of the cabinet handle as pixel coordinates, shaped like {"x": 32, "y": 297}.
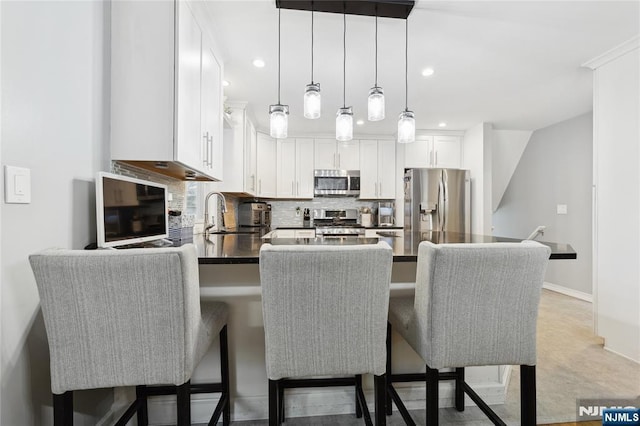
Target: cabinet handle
{"x": 293, "y": 188}
{"x": 335, "y": 164}
{"x": 211, "y": 151}
{"x": 205, "y": 149}
{"x": 339, "y": 162}
{"x": 259, "y": 186}
{"x": 298, "y": 188}
{"x": 436, "y": 158}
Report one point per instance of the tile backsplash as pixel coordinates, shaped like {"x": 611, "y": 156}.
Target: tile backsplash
{"x": 176, "y": 187}
{"x": 283, "y": 213}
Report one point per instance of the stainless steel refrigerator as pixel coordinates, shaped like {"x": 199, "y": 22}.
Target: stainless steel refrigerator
{"x": 437, "y": 200}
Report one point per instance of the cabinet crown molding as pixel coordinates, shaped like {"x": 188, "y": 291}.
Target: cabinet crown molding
{"x": 616, "y": 52}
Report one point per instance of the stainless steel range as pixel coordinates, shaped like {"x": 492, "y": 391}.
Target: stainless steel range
{"x": 337, "y": 223}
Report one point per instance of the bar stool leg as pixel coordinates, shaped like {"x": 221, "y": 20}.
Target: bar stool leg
{"x": 274, "y": 403}
{"x": 184, "y": 404}
{"x": 528, "y": 395}
{"x": 357, "y": 387}
{"x": 380, "y": 389}
{"x": 63, "y": 409}
{"x": 459, "y": 389}
{"x": 432, "y": 396}
{"x": 142, "y": 412}
{"x": 224, "y": 374}
{"x": 388, "y": 383}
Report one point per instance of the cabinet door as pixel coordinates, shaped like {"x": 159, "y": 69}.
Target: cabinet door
{"x": 266, "y": 166}
{"x": 324, "y": 154}
{"x": 304, "y": 168}
{"x": 348, "y": 155}
{"x": 368, "y": 169}
{"x": 386, "y": 169}
{"x": 418, "y": 154}
{"x": 211, "y": 109}
{"x": 251, "y": 155}
{"x": 286, "y": 168}
{"x": 446, "y": 151}
{"x": 189, "y": 140}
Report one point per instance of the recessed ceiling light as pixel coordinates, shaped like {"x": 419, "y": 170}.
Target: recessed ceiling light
{"x": 225, "y": 83}
{"x": 427, "y": 72}
{"x": 360, "y": 122}
{"x": 259, "y": 63}
{"x": 442, "y": 124}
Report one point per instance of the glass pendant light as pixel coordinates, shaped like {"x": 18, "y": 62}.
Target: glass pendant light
{"x": 406, "y": 121}
{"x": 278, "y": 113}
{"x": 344, "y": 116}
{"x": 312, "y": 104}
{"x": 375, "y": 103}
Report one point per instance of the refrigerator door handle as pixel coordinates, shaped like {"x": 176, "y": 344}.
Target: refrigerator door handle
{"x": 441, "y": 206}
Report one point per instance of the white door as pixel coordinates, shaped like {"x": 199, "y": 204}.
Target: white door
{"x": 304, "y": 168}
{"x": 447, "y": 151}
{"x": 387, "y": 169}
{"x": 324, "y": 154}
{"x": 189, "y": 143}
{"x": 266, "y": 166}
{"x": 286, "y": 168}
{"x": 368, "y": 169}
{"x": 348, "y": 155}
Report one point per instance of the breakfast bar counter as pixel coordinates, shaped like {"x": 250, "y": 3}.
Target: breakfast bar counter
{"x": 245, "y": 248}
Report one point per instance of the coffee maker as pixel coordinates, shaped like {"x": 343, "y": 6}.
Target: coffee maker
{"x": 385, "y": 213}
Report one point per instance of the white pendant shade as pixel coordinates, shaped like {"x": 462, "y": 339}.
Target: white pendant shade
{"x": 312, "y": 101}
{"x": 344, "y": 124}
{"x": 278, "y": 121}
{"x": 375, "y": 104}
{"x": 406, "y": 127}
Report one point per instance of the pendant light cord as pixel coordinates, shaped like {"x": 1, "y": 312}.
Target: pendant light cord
{"x": 279, "y": 9}
{"x": 376, "y": 85}
{"x": 311, "y": 42}
{"x": 344, "y": 59}
{"x": 406, "y": 64}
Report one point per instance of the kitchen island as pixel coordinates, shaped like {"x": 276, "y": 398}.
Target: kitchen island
{"x": 229, "y": 272}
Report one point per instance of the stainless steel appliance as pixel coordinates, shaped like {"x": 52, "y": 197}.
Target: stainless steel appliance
{"x": 386, "y": 213}
{"x": 337, "y": 223}
{"x": 336, "y": 182}
{"x": 437, "y": 200}
{"x": 255, "y": 214}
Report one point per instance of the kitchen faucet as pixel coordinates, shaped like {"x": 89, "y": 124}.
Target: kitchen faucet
{"x": 207, "y": 225}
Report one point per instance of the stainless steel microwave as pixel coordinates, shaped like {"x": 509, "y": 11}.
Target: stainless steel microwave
{"x": 336, "y": 182}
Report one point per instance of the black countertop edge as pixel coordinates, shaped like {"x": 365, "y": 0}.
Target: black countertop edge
{"x": 397, "y": 228}
{"x": 227, "y": 260}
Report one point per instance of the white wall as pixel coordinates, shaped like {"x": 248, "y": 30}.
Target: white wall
{"x": 616, "y": 248}
{"x": 54, "y": 122}
{"x": 507, "y": 149}
{"x": 477, "y": 158}
{"x": 555, "y": 168}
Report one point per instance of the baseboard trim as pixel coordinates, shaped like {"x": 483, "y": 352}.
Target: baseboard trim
{"x": 308, "y": 403}
{"x": 608, "y": 349}
{"x": 568, "y": 292}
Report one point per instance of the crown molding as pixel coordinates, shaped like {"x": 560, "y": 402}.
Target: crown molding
{"x": 616, "y": 52}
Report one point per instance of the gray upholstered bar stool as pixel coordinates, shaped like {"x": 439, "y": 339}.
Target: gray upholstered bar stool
{"x": 128, "y": 318}
{"x": 325, "y": 313}
{"x": 474, "y": 305}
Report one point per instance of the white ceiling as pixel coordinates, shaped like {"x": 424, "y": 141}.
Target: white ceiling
{"x": 515, "y": 64}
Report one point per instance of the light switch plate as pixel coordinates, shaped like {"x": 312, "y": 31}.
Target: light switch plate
{"x": 17, "y": 185}
{"x": 561, "y": 209}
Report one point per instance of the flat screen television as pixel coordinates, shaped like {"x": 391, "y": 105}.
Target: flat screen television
{"x": 129, "y": 210}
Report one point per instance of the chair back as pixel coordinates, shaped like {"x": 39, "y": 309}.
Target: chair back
{"x": 325, "y": 308}
{"x": 119, "y": 317}
{"x": 478, "y": 303}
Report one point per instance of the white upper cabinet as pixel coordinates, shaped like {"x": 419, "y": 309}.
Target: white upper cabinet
{"x": 434, "y": 151}
{"x": 295, "y": 168}
{"x": 330, "y": 154}
{"x": 266, "y": 166}
{"x": 250, "y": 159}
{"x": 166, "y": 87}
{"x": 239, "y": 141}
{"x": 378, "y": 169}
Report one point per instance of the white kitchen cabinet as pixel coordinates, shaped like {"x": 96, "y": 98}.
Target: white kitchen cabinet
{"x": 166, "y": 87}
{"x": 434, "y": 151}
{"x": 377, "y": 169}
{"x": 266, "y": 166}
{"x": 239, "y": 141}
{"x": 295, "y": 168}
{"x": 305, "y": 233}
{"x": 330, "y": 154}
{"x": 250, "y": 159}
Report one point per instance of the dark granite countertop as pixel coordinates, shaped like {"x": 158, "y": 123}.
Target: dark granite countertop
{"x": 366, "y": 227}
{"x": 245, "y": 248}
